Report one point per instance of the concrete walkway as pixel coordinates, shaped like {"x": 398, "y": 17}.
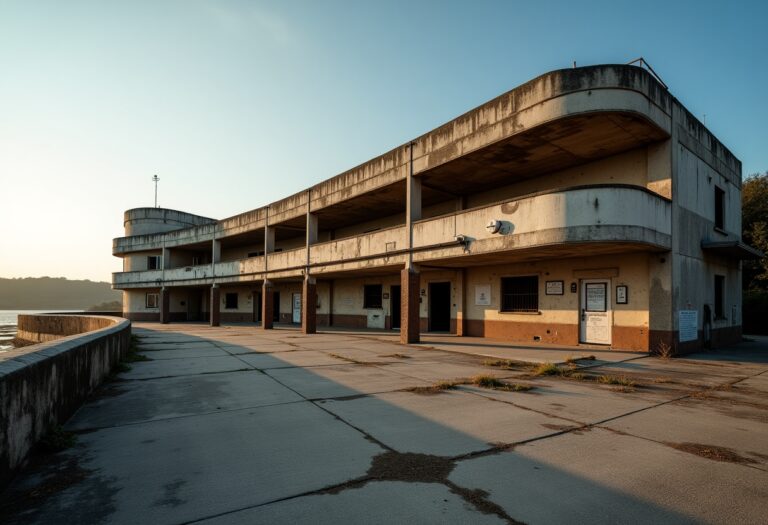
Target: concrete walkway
{"x": 236, "y": 425}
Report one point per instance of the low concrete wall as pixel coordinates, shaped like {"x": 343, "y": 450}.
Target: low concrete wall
{"x": 42, "y": 385}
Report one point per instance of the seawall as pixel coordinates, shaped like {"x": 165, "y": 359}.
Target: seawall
{"x": 42, "y": 385}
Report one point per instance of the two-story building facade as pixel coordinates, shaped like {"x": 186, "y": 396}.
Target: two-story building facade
{"x": 587, "y": 206}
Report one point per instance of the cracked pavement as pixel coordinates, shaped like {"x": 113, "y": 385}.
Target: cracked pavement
{"x": 237, "y": 425}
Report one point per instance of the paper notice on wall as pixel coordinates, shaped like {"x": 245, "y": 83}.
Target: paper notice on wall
{"x": 688, "y": 325}
{"x": 483, "y": 294}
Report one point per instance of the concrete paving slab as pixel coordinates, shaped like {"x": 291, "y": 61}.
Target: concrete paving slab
{"x": 304, "y": 358}
{"x": 340, "y": 381}
{"x": 175, "y": 346}
{"x": 377, "y": 503}
{"x": 681, "y": 373}
{"x": 696, "y": 422}
{"x": 258, "y": 349}
{"x": 484, "y": 347}
{"x": 179, "y": 367}
{"x": 578, "y": 402}
{"x": 447, "y": 424}
{"x": 178, "y": 470}
{"x": 126, "y": 402}
{"x": 603, "y": 477}
{"x": 433, "y": 371}
{"x": 183, "y": 353}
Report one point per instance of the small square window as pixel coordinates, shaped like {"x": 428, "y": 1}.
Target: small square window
{"x": 520, "y": 294}
{"x": 152, "y": 300}
{"x": 153, "y": 262}
{"x": 719, "y": 296}
{"x": 719, "y": 208}
{"x": 196, "y": 260}
{"x": 230, "y": 301}
{"x": 372, "y": 296}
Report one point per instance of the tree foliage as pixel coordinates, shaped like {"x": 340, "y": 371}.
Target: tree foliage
{"x": 754, "y": 229}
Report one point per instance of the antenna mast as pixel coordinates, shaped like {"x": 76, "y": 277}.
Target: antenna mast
{"x": 155, "y": 179}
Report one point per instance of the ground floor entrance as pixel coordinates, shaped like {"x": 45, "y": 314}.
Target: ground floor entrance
{"x": 596, "y": 319}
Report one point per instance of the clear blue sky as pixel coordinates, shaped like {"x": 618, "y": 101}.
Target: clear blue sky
{"x": 239, "y": 103}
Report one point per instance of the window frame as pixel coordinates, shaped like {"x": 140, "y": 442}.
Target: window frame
{"x": 147, "y": 301}
{"x": 158, "y": 262}
{"x": 719, "y": 299}
{"x": 719, "y": 209}
{"x": 366, "y": 296}
{"x": 503, "y": 308}
{"x": 227, "y": 297}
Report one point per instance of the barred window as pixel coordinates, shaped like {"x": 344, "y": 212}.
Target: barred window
{"x": 372, "y": 296}
{"x": 520, "y": 294}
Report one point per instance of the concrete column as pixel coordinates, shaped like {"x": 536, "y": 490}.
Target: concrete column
{"x": 165, "y": 259}
{"x": 309, "y": 306}
{"x": 267, "y": 305}
{"x": 215, "y": 251}
{"x": 311, "y": 231}
{"x": 461, "y": 314}
{"x": 215, "y": 305}
{"x": 412, "y": 205}
{"x": 409, "y": 305}
{"x": 165, "y": 305}
{"x": 269, "y": 239}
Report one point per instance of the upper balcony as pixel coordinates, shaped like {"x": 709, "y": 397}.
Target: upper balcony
{"x": 557, "y": 223}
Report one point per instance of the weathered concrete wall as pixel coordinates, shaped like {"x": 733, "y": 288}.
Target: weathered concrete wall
{"x": 142, "y": 221}
{"x": 42, "y": 385}
{"x": 557, "y": 320}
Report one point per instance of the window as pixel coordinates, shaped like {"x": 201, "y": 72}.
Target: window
{"x": 256, "y": 254}
{"x": 230, "y": 301}
{"x": 152, "y": 300}
{"x": 719, "y": 208}
{"x": 372, "y": 296}
{"x": 153, "y": 262}
{"x": 520, "y": 294}
{"x": 195, "y": 260}
{"x": 719, "y": 296}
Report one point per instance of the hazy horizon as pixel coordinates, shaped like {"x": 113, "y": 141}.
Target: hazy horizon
{"x": 236, "y": 104}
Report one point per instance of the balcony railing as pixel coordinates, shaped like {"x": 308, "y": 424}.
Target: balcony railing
{"x": 612, "y": 213}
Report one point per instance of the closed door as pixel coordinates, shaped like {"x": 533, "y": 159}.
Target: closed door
{"x": 596, "y": 313}
{"x": 296, "y": 308}
{"x": 256, "y": 307}
{"x": 276, "y": 307}
{"x": 394, "y": 301}
{"x": 439, "y": 307}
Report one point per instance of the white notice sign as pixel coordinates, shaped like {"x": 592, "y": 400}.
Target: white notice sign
{"x": 483, "y": 294}
{"x": 688, "y": 325}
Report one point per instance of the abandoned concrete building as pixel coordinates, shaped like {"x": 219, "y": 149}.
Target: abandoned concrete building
{"x": 585, "y": 207}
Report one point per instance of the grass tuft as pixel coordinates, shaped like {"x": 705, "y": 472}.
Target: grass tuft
{"x": 486, "y": 381}
{"x": 506, "y": 364}
{"x": 616, "y": 380}
{"x": 434, "y": 388}
{"x": 547, "y": 369}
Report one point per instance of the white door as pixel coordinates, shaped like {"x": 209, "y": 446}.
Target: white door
{"x": 596, "y": 313}
{"x": 297, "y": 308}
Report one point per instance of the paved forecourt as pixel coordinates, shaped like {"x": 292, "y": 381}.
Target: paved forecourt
{"x": 238, "y": 425}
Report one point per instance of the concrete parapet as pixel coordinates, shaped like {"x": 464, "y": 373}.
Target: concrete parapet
{"x": 42, "y": 385}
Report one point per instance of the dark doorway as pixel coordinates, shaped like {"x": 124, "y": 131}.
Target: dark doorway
{"x": 195, "y": 305}
{"x": 256, "y": 307}
{"x": 276, "y": 307}
{"x": 394, "y": 301}
{"x": 439, "y": 307}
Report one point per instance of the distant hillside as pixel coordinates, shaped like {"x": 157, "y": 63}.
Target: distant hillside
{"x": 54, "y": 293}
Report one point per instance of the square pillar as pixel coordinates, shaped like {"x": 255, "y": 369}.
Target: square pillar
{"x": 215, "y": 305}
{"x": 461, "y": 314}
{"x": 409, "y": 306}
{"x": 309, "y": 306}
{"x": 267, "y": 305}
{"x": 165, "y": 305}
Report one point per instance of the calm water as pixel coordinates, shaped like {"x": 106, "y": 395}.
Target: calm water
{"x": 8, "y": 320}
